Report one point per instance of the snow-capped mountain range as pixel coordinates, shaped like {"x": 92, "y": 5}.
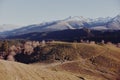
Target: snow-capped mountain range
{"x": 76, "y": 22}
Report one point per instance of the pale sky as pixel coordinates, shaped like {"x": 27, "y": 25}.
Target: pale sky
{"x": 26, "y": 12}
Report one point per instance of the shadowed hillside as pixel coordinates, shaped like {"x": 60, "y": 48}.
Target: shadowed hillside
{"x": 73, "y": 35}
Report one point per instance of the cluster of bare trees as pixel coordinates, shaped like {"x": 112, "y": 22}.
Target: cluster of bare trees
{"x": 9, "y": 52}
{"x": 87, "y": 41}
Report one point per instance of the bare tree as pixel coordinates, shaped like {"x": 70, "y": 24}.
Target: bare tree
{"x": 10, "y": 58}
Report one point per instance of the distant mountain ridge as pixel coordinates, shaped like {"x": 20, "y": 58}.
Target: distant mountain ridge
{"x": 76, "y": 22}
{"x": 73, "y": 35}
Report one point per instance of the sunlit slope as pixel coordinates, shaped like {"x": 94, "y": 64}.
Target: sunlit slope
{"x": 90, "y": 61}
{"x": 76, "y": 51}
{"x": 69, "y": 61}
{"x": 18, "y": 71}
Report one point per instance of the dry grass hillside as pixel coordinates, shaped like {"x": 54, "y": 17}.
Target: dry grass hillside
{"x": 87, "y": 61}
{"x": 68, "y": 61}
{"x": 18, "y": 71}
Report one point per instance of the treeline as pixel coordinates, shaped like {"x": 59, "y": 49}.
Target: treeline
{"x": 21, "y": 51}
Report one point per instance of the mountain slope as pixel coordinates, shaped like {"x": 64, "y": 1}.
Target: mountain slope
{"x": 73, "y": 35}
{"x": 114, "y": 23}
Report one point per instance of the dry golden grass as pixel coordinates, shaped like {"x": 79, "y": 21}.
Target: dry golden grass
{"x": 86, "y": 62}
{"x": 18, "y": 71}
{"x": 91, "y": 61}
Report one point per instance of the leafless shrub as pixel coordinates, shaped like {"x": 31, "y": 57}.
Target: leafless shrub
{"x": 81, "y": 41}
{"x": 10, "y": 58}
{"x": 92, "y": 42}
{"x": 43, "y": 43}
{"x": 118, "y": 45}
{"x": 87, "y": 41}
{"x": 1, "y": 57}
{"x": 35, "y": 43}
{"x": 28, "y": 49}
{"x": 12, "y": 53}
{"x": 28, "y": 43}
{"x": 13, "y": 48}
{"x": 103, "y": 42}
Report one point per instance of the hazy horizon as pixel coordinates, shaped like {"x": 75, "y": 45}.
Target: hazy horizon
{"x": 21, "y": 12}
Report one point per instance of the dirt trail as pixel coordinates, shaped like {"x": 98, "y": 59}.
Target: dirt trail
{"x": 46, "y": 65}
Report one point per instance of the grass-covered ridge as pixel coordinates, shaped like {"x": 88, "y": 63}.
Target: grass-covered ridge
{"x": 83, "y": 60}
{"x": 86, "y": 59}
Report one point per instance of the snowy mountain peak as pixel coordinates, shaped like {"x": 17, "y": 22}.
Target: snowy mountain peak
{"x": 100, "y": 19}
{"x": 77, "y": 18}
{"x": 81, "y": 18}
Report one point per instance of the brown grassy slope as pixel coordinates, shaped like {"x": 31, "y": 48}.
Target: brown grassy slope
{"x": 99, "y": 61}
{"x": 76, "y": 51}
{"x": 72, "y": 51}
{"x": 17, "y": 71}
